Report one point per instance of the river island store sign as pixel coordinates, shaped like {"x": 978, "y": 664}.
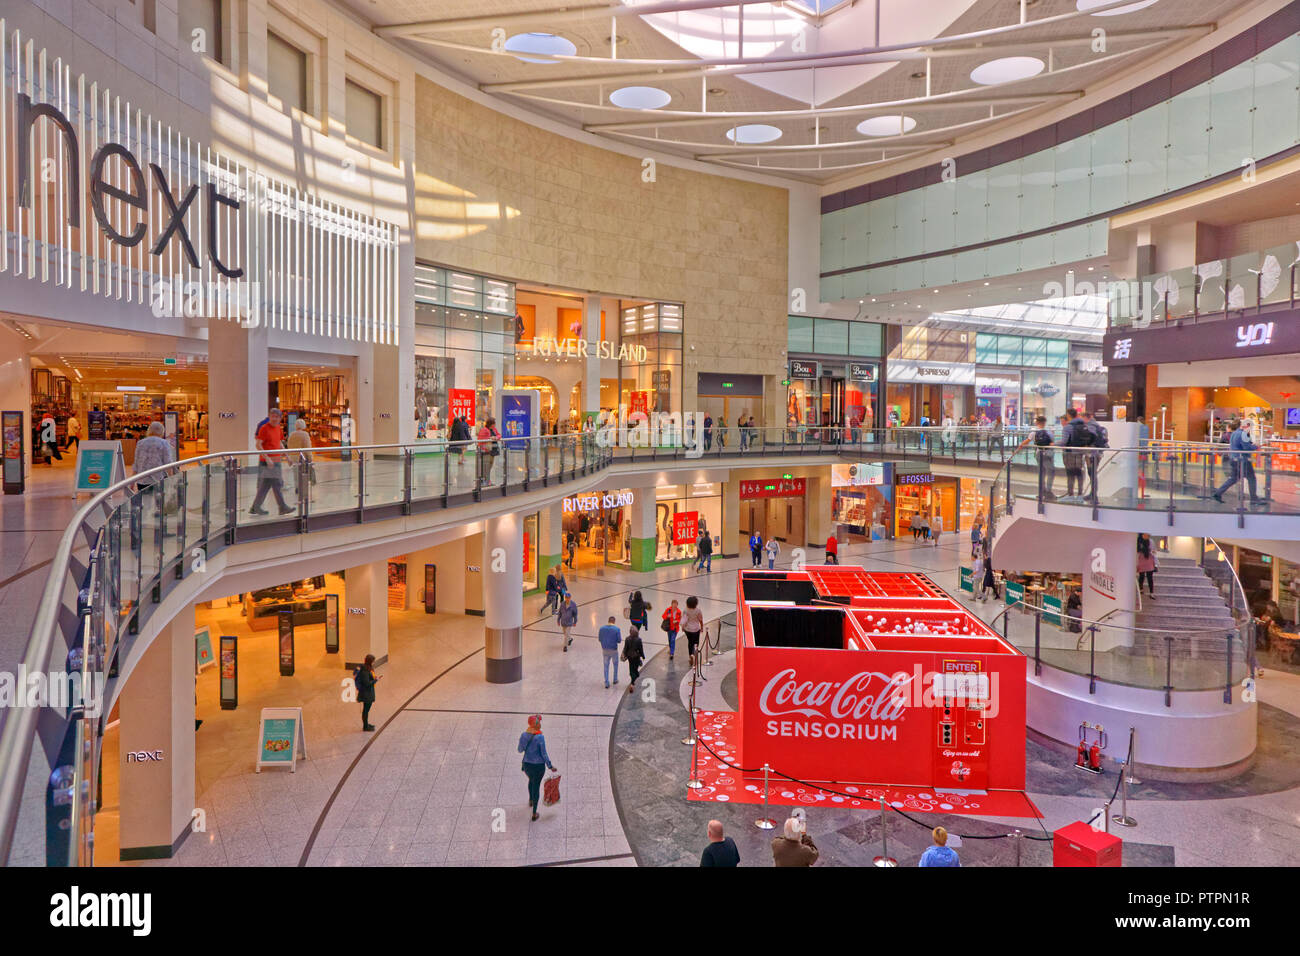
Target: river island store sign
{"x": 95, "y": 194}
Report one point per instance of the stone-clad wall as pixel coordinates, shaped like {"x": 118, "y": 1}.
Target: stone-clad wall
{"x": 502, "y": 197}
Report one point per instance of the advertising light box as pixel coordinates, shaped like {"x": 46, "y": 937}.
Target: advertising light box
{"x": 878, "y": 678}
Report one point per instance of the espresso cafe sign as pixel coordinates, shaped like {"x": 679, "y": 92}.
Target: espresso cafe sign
{"x": 104, "y": 198}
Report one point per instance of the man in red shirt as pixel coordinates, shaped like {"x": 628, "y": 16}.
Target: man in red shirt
{"x": 832, "y": 550}
{"x": 269, "y": 438}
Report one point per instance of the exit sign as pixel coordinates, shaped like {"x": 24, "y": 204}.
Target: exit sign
{"x": 169, "y": 361}
{"x": 727, "y": 385}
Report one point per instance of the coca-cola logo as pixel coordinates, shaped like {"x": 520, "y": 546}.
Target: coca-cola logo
{"x": 868, "y": 695}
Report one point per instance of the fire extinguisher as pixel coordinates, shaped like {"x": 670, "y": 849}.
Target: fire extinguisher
{"x": 1094, "y": 756}
{"x": 1082, "y": 759}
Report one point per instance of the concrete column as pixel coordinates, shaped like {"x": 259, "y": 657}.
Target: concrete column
{"x": 591, "y": 364}
{"x": 731, "y": 516}
{"x": 817, "y": 510}
{"x": 474, "y": 596}
{"x": 503, "y": 583}
{"x": 550, "y": 539}
{"x": 16, "y": 385}
{"x": 365, "y": 615}
{"x": 156, "y": 749}
{"x": 237, "y": 384}
{"x": 1111, "y": 594}
{"x": 643, "y": 533}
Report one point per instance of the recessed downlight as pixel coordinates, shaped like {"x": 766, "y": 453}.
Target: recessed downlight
{"x": 753, "y": 133}
{"x": 1006, "y": 70}
{"x": 640, "y": 98}
{"x": 886, "y": 125}
{"x": 1086, "y": 5}
{"x": 543, "y": 44}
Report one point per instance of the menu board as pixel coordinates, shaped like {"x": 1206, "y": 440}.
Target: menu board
{"x": 281, "y": 738}
{"x": 97, "y": 422}
{"x": 99, "y": 464}
{"x": 331, "y": 624}
{"x": 229, "y": 672}
{"x": 397, "y": 583}
{"x": 966, "y": 580}
{"x": 286, "y": 643}
{"x": 11, "y": 439}
{"x": 431, "y": 587}
{"x": 203, "y": 656}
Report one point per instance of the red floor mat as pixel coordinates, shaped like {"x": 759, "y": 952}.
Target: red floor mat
{"x": 725, "y": 784}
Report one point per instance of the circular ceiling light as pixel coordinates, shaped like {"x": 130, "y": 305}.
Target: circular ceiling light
{"x": 546, "y": 44}
{"x": 1086, "y": 5}
{"x": 753, "y": 133}
{"x": 640, "y": 98}
{"x": 886, "y": 125}
{"x": 1006, "y": 69}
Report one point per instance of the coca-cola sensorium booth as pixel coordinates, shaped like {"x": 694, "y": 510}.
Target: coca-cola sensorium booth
{"x": 857, "y": 676}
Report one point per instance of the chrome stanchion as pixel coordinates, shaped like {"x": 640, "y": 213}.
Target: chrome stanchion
{"x": 1017, "y": 836}
{"x": 764, "y": 822}
{"x": 694, "y": 783}
{"x": 884, "y": 859}
{"x": 691, "y": 711}
{"x": 1122, "y": 818}
{"x": 1105, "y": 816}
{"x": 708, "y": 651}
{"x": 1132, "y": 745}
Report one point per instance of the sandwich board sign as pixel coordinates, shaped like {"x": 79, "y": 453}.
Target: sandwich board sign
{"x": 281, "y": 739}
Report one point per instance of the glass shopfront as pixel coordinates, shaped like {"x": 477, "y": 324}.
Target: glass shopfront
{"x": 930, "y": 496}
{"x": 682, "y": 513}
{"x": 1020, "y": 377}
{"x": 597, "y": 528}
{"x": 530, "y": 553}
{"x": 652, "y": 382}
{"x": 827, "y": 388}
{"x": 464, "y": 345}
{"x": 862, "y": 500}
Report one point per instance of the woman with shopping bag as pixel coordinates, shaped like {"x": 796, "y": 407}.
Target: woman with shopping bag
{"x": 536, "y": 761}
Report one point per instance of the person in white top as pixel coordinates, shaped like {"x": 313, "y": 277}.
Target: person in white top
{"x": 74, "y": 431}
{"x": 936, "y": 527}
{"x": 773, "y": 552}
{"x": 301, "y": 438}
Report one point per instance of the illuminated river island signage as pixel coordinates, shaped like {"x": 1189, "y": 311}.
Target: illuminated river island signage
{"x": 176, "y": 226}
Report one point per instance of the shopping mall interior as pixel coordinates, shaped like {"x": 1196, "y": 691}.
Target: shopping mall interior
{"x": 520, "y": 435}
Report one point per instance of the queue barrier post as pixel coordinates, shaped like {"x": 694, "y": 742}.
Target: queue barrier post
{"x": 884, "y": 859}
{"x": 765, "y": 822}
{"x": 1122, "y": 818}
{"x": 691, "y": 711}
{"x": 1017, "y": 836}
{"x": 708, "y": 651}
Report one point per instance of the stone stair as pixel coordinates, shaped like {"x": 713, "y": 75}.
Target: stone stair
{"x": 1186, "y": 599}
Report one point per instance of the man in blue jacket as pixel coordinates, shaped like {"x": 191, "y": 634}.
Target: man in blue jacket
{"x": 610, "y": 637}
{"x": 756, "y": 548}
{"x": 1240, "y": 464}
{"x": 940, "y": 854}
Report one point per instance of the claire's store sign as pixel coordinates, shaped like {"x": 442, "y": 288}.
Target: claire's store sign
{"x": 97, "y": 195}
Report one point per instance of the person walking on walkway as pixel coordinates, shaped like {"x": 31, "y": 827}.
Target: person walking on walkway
{"x": 796, "y": 847}
{"x": 936, "y": 528}
{"x": 300, "y": 440}
{"x": 756, "y": 549}
{"x": 365, "y": 679}
{"x": 634, "y": 654}
{"x": 705, "y": 549}
{"x": 1076, "y": 437}
{"x": 914, "y": 523}
{"x": 672, "y": 622}
{"x": 269, "y": 480}
{"x": 1239, "y": 464}
{"x": 721, "y": 850}
{"x": 552, "y": 591}
{"x": 924, "y": 523}
{"x": 987, "y": 584}
{"x": 568, "y": 618}
{"x": 74, "y": 432}
{"x": 489, "y": 446}
{"x": 638, "y": 610}
{"x": 832, "y": 549}
{"x": 50, "y": 438}
{"x": 532, "y": 744}
{"x": 692, "y": 625}
{"x": 1146, "y": 564}
{"x": 773, "y": 552}
{"x": 977, "y": 576}
{"x": 610, "y": 637}
{"x": 940, "y": 854}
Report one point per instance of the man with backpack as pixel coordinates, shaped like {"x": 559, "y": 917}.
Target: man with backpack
{"x": 1100, "y": 439}
{"x": 1075, "y": 436}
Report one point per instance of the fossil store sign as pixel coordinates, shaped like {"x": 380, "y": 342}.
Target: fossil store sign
{"x": 96, "y": 194}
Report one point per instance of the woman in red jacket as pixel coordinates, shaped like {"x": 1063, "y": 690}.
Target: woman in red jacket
{"x": 832, "y": 550}
{"x": 672, "y": 622}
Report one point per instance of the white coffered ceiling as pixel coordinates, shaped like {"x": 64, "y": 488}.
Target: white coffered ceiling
{"x": 811, "y": 71}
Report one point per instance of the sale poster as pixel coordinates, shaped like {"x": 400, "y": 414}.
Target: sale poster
{"x": 640, "y": 403}
{"x": 686, "y": 527}
{"x": 460, "y": 404}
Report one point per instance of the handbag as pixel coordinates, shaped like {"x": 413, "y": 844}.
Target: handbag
{"x": 551, "y": 791}
{"x": 665, "y": 625}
